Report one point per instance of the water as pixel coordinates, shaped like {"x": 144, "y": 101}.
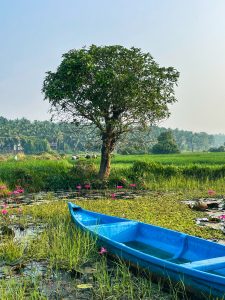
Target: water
{"x": 149, "y": 249}
{"x": 27, "y": 233}
{"x": 180, "y": 260}
{"x": 155, "y": 252}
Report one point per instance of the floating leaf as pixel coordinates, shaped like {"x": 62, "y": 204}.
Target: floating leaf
{"x": 85, "y": 286}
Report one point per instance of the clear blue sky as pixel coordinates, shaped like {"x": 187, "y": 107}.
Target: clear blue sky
{"x": 186, "y": 34}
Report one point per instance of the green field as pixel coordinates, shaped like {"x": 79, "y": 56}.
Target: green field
{"x": 205, "y": 158}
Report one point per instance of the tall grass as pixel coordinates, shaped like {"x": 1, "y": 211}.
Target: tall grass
{"x": 36, "y": 175}
{"x": 11, "y": 251}
{"x": 203, "y": 158}
{"x": 61, "y": 243}
{"x": 118, "y": 282}
{"x": 65, "y": 247}
{"x": 17, "y": 289}
{"x": 166, "y": 172}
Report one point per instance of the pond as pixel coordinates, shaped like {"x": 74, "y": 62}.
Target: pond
{"x": 44, "y": 256}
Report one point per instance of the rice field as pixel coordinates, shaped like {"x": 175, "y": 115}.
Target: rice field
{"x": 189, "y": 171}
{"x": 182, "y": 159}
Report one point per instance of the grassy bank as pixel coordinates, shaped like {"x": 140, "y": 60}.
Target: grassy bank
{"x": 155, "y": 172}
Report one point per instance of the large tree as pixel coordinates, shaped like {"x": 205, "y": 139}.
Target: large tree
{"x": 113, "y": 88}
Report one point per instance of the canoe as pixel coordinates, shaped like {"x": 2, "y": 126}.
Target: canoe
{"x": 198, "y": 263}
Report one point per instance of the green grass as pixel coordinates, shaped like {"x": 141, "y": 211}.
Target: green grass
{"x": 160, "y": 209}
{"x": 124, "y": 161}
{"x": 163, "y": 172}
{"x": 17, "y": 289}
{"x": 65, "y": 247}
{"x": 171, "y": 178}
{"x": 36, "y": 175}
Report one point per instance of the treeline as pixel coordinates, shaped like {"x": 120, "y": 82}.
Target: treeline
{"x": 143, "y": 141}
{"x": 45, "y": 136}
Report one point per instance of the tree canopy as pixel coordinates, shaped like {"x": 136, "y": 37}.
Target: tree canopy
{"x": 166, "y": 144}
{"x": 69, "y": 138}
{"x": 113, "y": 88}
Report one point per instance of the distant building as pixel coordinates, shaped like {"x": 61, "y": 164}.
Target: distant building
{"x": 17, "y": 148}
{"x": 54, "y": 146}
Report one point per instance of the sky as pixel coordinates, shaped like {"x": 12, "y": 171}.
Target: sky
{"x": 186, "y": 34}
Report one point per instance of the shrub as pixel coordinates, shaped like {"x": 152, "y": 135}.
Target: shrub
{"x": 82, "y": 172}
{"x": 36, "y": 175}
{"x": 166, "y": 144}
{"x": 144, "y": 169}
{"x": 219, "y": 149}
{"x": 4, "y": 190}
{"x": 197, "y": 171}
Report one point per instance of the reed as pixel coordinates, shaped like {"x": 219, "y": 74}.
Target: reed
{"x": 11, "y": 251}
{"x": 61, "y": 243}
{"x": 17, "y": 289}
{"x": 164, "y": 172}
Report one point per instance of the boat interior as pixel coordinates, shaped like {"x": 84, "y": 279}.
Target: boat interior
{"x": 172, "y": 246}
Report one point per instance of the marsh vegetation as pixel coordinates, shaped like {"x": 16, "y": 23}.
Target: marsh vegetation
{"x": 42, "y": 254}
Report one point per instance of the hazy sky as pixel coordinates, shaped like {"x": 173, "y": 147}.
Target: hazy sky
{"x": 186, "y": 34}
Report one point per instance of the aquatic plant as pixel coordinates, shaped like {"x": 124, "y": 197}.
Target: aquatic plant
{"x": 4, "y": 190}
{"x": 15, "y": 288}
{"x": 102, "y": 251}
{"x": 64, "y": 247}
{"x": 4, "y": 212}
{"x": 211, "y": 192}
{"x": 119, "y": 187}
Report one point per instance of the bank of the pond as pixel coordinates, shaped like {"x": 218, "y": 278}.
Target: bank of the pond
{"x": 48, "y": 258}
{"x": 50, "y": 175}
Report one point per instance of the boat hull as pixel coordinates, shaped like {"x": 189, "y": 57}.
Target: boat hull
{"x": 194, "y": 285}
{"x": 179, "y": 263}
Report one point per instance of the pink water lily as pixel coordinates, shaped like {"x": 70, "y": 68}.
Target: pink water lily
{"x": 19, "y": 189}
{"x": 2, "y": 187}
{"x": 87, "y": 186}
{"x": 16, "y": 192}
{"x": 79, "y": 187}
{"x": 222, "y": 217}
{"x": 119, "y": 187}
{"x": 103, "y": 251}
{"x": 113, "y": 196}
{"x": 211, "y": 192}
{"x": 4, "y": 211}
{"x": 132, "y": 184}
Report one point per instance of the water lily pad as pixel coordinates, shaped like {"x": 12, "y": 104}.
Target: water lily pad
{"x": 85, "y": 286}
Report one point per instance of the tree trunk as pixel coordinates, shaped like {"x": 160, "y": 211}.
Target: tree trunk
{"x": 107, "y": 148}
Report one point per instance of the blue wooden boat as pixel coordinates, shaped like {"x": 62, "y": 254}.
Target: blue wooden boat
{"x": 198, "y": 263}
